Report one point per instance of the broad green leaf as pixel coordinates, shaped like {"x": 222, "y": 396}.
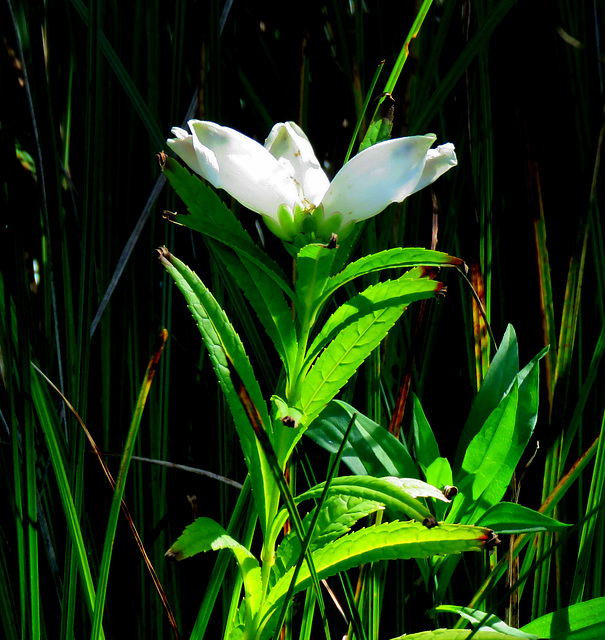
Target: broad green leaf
{"x": 494, "y": 452}
{"x": 499, "y": 377}
{"x": 225, "y": 347}
{"x": 582, "y": 621}
{"x": 484, "y": 469}
{"x": 212, "y": 218}
{"x": 355, "y": 330}
{"x": 370, "y": 449}
{"x": 509, "y": 517}
{"x": 439, "y": 473}
{"x": 204, "y": 534}
{"x": 398, "y": 257}
{"x": 338, "y": 514}
{"x": 386, "y": 491}
{"x": 425, "y": 444}
{"x": 483, "y": 462}
{"x": 389, "y": 541}
{"x": 486, "y": 621}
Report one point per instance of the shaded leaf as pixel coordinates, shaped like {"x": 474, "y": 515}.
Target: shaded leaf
{"x": 370, "y": 448}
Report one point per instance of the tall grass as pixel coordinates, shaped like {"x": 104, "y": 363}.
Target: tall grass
{"x": 89, "y": 94}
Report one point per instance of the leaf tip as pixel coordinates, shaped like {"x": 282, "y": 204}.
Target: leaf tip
{"x": 173, "y": 556}
{"x": 490, "y": 540}
{"x": 164, "y": 255}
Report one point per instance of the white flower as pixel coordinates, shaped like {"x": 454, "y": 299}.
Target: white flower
{"x": 284, "y": 182}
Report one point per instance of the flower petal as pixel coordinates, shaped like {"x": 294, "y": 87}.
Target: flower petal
{"x": 241, "y": 166}
{"x": 381, "y": 174}
{"x": 438, "y": 161}
{"x": 182, "y": 145}
{"x": 288, "y": 143}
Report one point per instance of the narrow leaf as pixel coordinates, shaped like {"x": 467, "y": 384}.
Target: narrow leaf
{"x": 509, "y": 517}
{"x": 212, "y": 218}
{"x": 224, "y": 346}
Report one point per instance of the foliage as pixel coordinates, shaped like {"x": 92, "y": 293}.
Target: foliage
{"x": 89, "y": 94}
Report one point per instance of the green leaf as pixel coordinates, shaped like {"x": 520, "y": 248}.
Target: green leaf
{"x": 425, "y": 443}
{"x": 267, "y": 300}
{"x": 370, "y": 449}
{"x": 313, "y": 266}
{"x": 390, "y": 294}
{"x": 499, "y": 377}
{"x": 486, "y": 621}
{"x": 396, "y": 258}
{"x": 495, "y": 450}
{"x": 338, "y": 514}
{"x": 387, "y": 491}
{"x": 225, "y": 347}
{"x": 582, "y": 621}
{"x": 389, "y": 541}
{"x": 212, "y": 218}
{"x": 204, "y": 534}
{"x": 485, "y": 474}
{"x": 509, "y": 517}
{"x": 353, "y": 331}
{"x": 455, "y": 634}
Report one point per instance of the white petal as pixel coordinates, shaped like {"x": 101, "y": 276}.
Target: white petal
{"x": 182, "y": 145}
{"x": 438, "y": 161}
{"x": 241, "y": 166}
{"x": 383, "y": 173}
{"x": 288, "y": 143}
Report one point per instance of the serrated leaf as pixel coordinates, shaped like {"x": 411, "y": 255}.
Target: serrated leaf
{"x": 417, "y": 488}
{"x": 204, "y": 534}
{"x": 370, "y": 449}
{"x": 268, "y": 301}
{"x": 223, "y": 345}
{"x": 390, "y": 293}
{"x": 355, "y": 330}
{"x": 212, "y": 218}
{"x": 389, "y": 541}
{"x": 509, "y": 517}
{"x": 338, "y": 514}
{"x": 397, "y": 500}
{"x": 396, "y": 258}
